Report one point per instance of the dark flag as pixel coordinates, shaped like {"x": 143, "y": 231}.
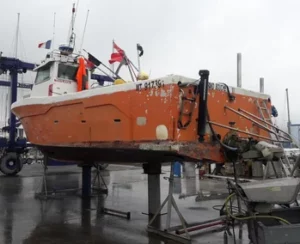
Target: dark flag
{"x": 140, "y": 48}
{"x": 93, "y": 60}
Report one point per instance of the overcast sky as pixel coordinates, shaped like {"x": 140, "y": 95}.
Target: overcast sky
{"x": 178, "y": 37}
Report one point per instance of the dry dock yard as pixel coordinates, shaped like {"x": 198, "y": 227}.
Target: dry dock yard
{"x": 64, "y": 217}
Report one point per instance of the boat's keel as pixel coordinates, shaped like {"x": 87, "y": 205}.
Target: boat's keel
{"x": 134, "y": 153}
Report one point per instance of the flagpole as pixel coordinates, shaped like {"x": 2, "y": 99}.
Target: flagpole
{"x": 112, "y": 65}
{"x": 138, "y": 58}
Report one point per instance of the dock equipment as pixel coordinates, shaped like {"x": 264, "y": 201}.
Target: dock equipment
{"x": 267, "y": 224}
{"x": 13, "y": 148}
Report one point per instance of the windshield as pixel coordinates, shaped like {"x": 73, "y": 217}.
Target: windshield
{"x": 43, "y": 73}
{"x": 67, "y": 72}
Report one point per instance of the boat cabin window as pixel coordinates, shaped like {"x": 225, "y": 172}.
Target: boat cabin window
{"x": 67, "y": 72}
{"x": 43, "y": 73}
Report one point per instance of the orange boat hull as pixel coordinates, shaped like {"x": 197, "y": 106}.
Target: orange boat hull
{"x": 133, "y": 122}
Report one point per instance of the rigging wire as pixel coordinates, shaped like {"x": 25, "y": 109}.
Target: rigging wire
{"x": 86, "y": 20}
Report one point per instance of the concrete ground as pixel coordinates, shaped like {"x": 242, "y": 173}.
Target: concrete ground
{"x": 26, "y": 219}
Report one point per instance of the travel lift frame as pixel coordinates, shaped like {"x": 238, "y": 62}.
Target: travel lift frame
{"x": 12, "y": 148}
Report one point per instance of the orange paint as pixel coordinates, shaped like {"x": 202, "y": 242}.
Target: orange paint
{"x": 136, "y": 119}
{"x": 80, "y": 76}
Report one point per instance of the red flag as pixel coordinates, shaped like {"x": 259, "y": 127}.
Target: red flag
{"x": 115, "y": 57}
{"x": 119, "y": 50}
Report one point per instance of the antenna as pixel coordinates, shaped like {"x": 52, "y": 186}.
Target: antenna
{"x": 87, "y": 15}
{"x": 71, "y": 37}
{"x": 17, "y": 36}
{"x": 53, "y": 31}
{"x": 288, "y": 109}
{"x": 77, "y": 4}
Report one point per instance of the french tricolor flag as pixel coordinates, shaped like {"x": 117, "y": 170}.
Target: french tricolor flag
{"x": 46, "y": 45}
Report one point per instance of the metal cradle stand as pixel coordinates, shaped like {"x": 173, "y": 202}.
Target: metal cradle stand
{"x": 96, "y": 186}
{"x": 170, "y": 201}
{"x": 45, "y": 194}
{"x": 175, "y": 233}
{"x": 89, "y": 187}
{"x": 98, "y": 180}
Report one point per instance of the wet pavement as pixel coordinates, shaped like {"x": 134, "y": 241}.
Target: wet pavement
{"x": 69, "y": 219}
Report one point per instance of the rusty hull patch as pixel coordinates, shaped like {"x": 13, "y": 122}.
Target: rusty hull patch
{"x": 190, "y": 151}
{"x": 202, "y": 151}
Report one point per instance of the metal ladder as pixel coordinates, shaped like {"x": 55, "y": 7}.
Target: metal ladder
{"x": 263, "y": 109}
{"x": 189, "y": 101}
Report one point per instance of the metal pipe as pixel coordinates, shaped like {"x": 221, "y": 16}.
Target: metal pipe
{"x": 255, "y": 122}
{"x": 200, "y": 227}
{"x": 86, "y": 181}
{"x": 17, "y": 36}
{"x": 169, "y": 206}
{"x": 13, "y": 98}
{"x": 228, "y": 178}
{"x": 188, "y": 225}
{"x": 153, "y": 193}
{"x": 288, "y": 109}
{"x": 254, "y": 116}
{"x": 118, "y": 212}
{"x": 202, "y": 109}
{"x": 244, "y": 132}
{"x": 239, "y": 70}
{"x": 261, "y": 85}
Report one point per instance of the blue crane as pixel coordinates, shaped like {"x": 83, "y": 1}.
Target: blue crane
{"x": 11, "y": 147}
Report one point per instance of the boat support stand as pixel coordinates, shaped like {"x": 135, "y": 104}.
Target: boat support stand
{"x": 89, "y": 185}
{"x": 170, "y": 201}
{"x": 176, "y": 233}
{"x": 45, "y": 193}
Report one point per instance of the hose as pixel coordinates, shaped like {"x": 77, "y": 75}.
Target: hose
{"x": 215, "y": 136}
{"x": 230, "y": 96}
{"x": 235, "y": 208}
{"x": 210, "y": 126}
{"x": 251, "y": 217}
